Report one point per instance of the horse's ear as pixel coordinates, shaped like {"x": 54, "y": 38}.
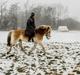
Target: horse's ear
{"x": 43, "y": 27}
{"x": 48, "y": 28}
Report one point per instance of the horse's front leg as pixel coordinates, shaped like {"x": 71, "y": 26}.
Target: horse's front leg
{"x": 33, "y": 48}
{"x": 41, "y": 44}
{"x": 20, "y": 45}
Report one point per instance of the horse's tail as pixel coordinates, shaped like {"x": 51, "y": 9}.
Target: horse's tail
{"x": 9, "y": 39}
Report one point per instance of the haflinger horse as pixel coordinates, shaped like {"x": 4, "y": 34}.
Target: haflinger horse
{"x": 19, "y": 35}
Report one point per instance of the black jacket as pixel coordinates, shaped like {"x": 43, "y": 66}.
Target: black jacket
{"x": 30, "y": 24}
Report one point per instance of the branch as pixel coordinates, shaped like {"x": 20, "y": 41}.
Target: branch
{"x": 3, "y": 4}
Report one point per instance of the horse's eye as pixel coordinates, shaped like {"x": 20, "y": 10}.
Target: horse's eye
{"x": 49, "y": 32}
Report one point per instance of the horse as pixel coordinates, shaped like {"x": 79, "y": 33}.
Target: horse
{"x": 19, "y": 35}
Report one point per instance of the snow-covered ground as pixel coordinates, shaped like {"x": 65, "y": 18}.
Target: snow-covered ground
{"x": 3, "y": 36}
{"x": 70, "y": 36}
{"x": 62, "y": 56}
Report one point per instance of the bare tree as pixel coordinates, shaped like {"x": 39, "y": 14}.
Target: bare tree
{"x": 2, "y": 11}
{"x": 44, "y": 14}
{"x": 26, "y": 6}
{"x": 13, "y": 14}
{"x": 57, "y": 12}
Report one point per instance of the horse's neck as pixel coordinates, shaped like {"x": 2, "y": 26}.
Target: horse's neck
{"x": 39, "y": 32}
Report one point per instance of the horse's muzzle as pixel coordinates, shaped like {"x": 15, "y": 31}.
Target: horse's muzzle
{"x": 48, "y": 37}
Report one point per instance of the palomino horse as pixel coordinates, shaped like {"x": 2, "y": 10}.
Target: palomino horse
{"x": 19, "y": 35}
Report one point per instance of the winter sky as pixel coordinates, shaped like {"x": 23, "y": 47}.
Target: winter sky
{"x": 72, "y": 5}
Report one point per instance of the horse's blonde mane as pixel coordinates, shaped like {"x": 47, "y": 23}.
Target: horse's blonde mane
{"x": 43, "y": 27}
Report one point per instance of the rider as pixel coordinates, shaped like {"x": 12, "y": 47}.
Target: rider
{"x": 31, "y": 26}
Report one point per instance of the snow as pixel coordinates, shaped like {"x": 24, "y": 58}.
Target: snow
{"x": 3, "y": 36}
{"x": 70, "y": 36}
{"x": 61, "y": 57}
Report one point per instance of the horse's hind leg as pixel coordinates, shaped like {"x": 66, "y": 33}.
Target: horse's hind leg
{"x": 9, "y": 50}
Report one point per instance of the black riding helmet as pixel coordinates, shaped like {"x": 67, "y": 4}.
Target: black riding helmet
{"x": 32, "y": 14}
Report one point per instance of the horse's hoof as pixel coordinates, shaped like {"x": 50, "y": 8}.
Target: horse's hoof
{"x": 29, "y": 53}
{"x": 44, "y": 53}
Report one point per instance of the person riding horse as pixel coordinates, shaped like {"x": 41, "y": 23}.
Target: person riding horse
{"x": 31, "y": 27}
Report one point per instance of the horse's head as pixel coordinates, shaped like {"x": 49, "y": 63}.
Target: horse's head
{"x": 44, "y": 30}
{"x": 48, "y": 32}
